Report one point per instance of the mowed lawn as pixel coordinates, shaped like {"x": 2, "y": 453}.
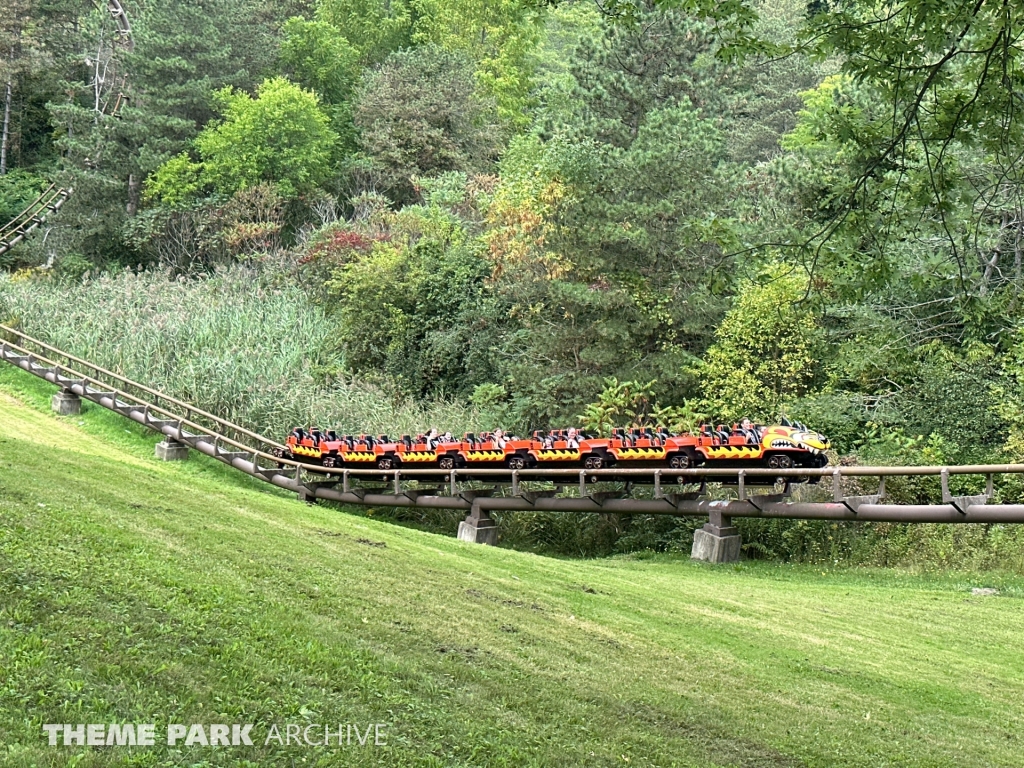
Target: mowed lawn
{"x": 133, "y": 591}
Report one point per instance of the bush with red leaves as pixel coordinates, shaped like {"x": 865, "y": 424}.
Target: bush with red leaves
{"x": 339, "y": 245}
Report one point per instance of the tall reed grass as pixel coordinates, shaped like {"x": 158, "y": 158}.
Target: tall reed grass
{"x": 251, "y": 348}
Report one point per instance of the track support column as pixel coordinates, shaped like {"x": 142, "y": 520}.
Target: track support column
{"x": 66, "y": 403}
{"x": 718, "y": 541}
{"x": 478, "y": 527}
{"x": 171, "y": 450}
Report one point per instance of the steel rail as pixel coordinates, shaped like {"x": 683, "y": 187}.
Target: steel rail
{"x": 34, "y": 216}
{"x": 120, "y": 17}
{"x": 448, "y": 489}
{"x": 9, "y": 228}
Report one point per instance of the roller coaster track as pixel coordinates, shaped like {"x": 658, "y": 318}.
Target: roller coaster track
{"x": 667, "y": 491}
{"x": 26, "y": 222}
{"x": 53, "y": 198}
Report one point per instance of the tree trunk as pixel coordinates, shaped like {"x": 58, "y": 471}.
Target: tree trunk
{"x": 1018, "y": 250}
{"x": 134, "y": 188}
{"x": 996, "y": 253}
{"x": 7, "y": 127}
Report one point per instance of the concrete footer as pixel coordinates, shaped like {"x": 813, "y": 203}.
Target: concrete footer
{"x": 717, "y": 542}
{"x": 479, "y": 528}
{"x": 171, "y": 450}
{"x": 66, "y": 403}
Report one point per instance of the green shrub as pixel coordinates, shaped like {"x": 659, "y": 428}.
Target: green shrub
{"x": 567, "y": 534}
{"x": 842, "y": 416}
{"x": 766, "y": 349}
{"x": 408, "y": 290}
{"x": 17, "y": 189}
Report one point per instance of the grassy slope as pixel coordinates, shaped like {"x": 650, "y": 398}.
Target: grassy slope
{"x": 134, "y": 591}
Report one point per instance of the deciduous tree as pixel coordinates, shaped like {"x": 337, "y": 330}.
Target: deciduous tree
{"x": 419, "y": 115}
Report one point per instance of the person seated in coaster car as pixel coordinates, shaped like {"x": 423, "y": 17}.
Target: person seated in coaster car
{"x": 752, "y": 432}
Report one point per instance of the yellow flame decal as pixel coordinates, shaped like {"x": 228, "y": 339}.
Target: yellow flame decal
{"x": 559, "y": 454}
{"x": 419, "y": 456}
{"x": 733, "y": 452}
{"x": 639, "y": 453}
{"x": 303, "y": 451}
{"x": 359, "y": 456}
{"x": 485, "y": 455}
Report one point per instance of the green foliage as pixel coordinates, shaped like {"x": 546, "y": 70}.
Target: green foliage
{"x": 612, "y": 232}
{"x": 769, "y": 87}
{"x": 419, "y": 115}
{"x": 620, "y": 404}
{"x": 7, "y": 317}
{"x": 913, "y": 122}
{"x": 281, "y": 136}
{"x": 631, "y": 404}
{"x": 1009, "y": 394}
{"x": 680, "y": 418}
{"x": 496, "y": 40}
{"x": 734, "y": 21}
{"x": 17, "y": 189}
{"x": 176, "y": 182}
{"x": 498, "y": 37}
{"x": 375, "y": 28}
{"x": 409, "y": 302}
{"x": 935, "y": 389}
{"x": 656, "y": 533}
{"x": 316, "y": 56}
{"x": 186, "y": 237}
{"x": 26, "y": 52}
{"x": 946, "y": 72}
{"x": 573, "y": 534}
{"x": 183, "y": 53}
{"x": 953, "y": 399}
{"x": 765, "y": 350}
{"x": 491, "y": 400}
{"x": 842, "y": 416}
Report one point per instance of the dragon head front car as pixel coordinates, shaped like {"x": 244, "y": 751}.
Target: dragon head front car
{"x": 799, "y": 437}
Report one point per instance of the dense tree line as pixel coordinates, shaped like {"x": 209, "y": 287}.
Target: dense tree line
{"x": 617, "y": 211}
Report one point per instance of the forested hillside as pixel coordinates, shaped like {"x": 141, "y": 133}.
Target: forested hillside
{"x": 534, "y": 213}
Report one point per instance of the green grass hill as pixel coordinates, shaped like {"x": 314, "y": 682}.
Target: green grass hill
{"x": 133, "y": 591}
